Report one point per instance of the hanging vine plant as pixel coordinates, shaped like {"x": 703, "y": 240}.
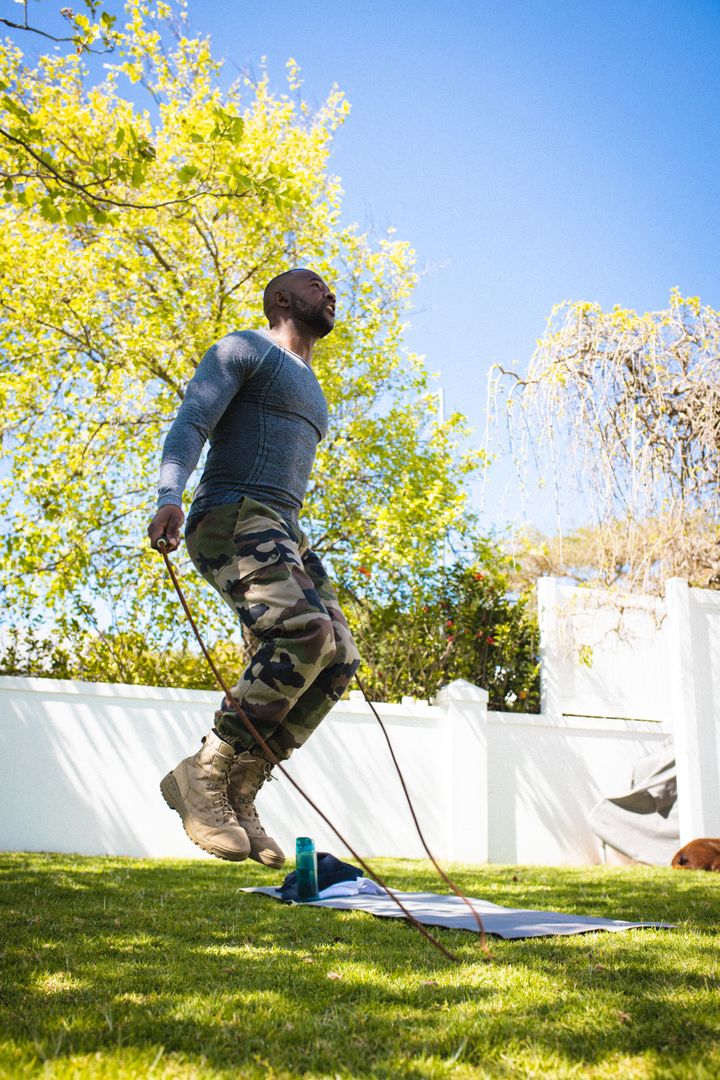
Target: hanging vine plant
{"x": 619, "y": 413}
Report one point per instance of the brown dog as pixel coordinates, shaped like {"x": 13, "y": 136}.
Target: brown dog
{"x": 698, "y": 855}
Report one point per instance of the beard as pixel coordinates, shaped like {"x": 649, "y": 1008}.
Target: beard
{"x": 318, "y": 320}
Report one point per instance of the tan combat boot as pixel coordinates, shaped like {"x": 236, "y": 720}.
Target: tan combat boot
{"x": 247, "y": 776}
{"x": 197, "y": 789}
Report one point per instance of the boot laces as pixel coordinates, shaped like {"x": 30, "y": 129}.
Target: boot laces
{"x": 221, "y": 805}
{"x": 248, "y": 812}
{"x": 245, "y": 809}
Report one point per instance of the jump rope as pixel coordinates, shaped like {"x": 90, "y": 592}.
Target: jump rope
{"x": 162, "y": 545}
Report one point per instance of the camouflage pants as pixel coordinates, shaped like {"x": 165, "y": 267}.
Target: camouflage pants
{"x": 305, "y": 654}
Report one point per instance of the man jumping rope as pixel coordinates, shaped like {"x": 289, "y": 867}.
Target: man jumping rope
{"x": 255, "y": 396}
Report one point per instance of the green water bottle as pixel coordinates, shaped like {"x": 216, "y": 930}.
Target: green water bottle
{"x": 306, "y": 869}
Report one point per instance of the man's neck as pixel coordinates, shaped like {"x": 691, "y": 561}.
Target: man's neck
{"x": 290, "y": 337}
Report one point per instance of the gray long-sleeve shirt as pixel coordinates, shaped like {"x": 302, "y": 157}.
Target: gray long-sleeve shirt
{"x": 263, "y": 411}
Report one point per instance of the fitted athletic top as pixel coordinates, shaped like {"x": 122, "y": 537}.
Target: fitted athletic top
{"x": 263, "y": 411}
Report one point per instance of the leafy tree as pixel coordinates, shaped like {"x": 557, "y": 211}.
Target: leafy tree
{"x": 117, "y": 656}
{"x": 455, "y": 623}
{"x": 609, "y": 553}
{"x": 459, "y": 623}
{"x": 133, "y": 234}
{"x": 77, "y": 180}
{"x": 91, "y": 32}
{"x": 623, "y": 410}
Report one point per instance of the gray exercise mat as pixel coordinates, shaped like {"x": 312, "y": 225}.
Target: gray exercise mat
{"x": 451, "y": 912}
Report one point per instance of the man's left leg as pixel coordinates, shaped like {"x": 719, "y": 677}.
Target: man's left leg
{"x": 251, "y": 769}
{"x": 329, "y": 686}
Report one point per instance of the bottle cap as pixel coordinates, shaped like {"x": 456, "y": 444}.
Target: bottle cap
{"x": 304, "y": 843}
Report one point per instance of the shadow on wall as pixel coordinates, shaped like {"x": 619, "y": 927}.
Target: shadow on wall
{"x": 89, "y": 766}
{"x": 83, "y": 776}
{"x": 82, "y": 768}
{"x": 347, "y": 770}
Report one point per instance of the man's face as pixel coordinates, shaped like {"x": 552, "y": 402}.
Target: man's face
{"x": 312, "y": 302}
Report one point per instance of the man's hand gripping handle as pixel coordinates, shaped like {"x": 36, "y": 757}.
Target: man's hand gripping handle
{"x": 164, "y": 529}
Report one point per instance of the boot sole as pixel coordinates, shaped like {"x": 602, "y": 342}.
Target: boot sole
{"x": 274, "y": 861}
{"x": 171, "y": 794}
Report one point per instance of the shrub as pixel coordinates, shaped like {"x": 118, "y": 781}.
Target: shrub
{"x": 460, "y": 623}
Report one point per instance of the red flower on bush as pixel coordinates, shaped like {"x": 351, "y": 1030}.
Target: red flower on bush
{"x": 364, "y": 570}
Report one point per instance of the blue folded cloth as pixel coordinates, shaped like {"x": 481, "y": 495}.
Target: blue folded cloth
{"x": 330, "y": 872}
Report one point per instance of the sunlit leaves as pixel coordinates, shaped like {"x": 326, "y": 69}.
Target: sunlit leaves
{"x": 454, "y": 622}
{"x": 81, "y": 165}
{"x": 112, "y": 290}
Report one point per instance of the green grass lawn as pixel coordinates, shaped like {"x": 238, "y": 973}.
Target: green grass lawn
{"x": 126, "y": 968}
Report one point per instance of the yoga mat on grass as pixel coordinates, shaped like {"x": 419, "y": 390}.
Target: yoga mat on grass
{"x": 451, "y": 912}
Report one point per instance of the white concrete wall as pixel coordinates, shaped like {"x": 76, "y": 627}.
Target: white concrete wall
{"x": 80, "y": 763}
{"x": 80, "y": 766}
{"x": 603, "y": 653}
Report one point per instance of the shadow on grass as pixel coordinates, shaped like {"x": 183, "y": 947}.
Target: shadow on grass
{"x": 109, "y": 955}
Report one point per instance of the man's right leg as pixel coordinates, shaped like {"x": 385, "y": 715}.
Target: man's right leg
{"x": 253, "y": 560}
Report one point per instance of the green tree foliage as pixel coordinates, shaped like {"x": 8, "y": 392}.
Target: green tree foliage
{"x": 117, "y": 656}
{"x": 131, "y": 237}
{"x": 459, "y": 623}
{"x": 455, "y": 623}
{"x": 89, "y": 31}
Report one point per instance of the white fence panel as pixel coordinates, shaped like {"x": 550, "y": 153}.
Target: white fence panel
{"x": 603, "y": 653}
{"x": 82, "y": 762}
{"x": 545, "y": 774}
{"x": 695, "y": 658}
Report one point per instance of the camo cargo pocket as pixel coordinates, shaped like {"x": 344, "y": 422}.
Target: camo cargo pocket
{"x": 258, "y": 541}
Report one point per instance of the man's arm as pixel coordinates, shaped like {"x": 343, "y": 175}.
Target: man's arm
{"x": 218, "y": 378}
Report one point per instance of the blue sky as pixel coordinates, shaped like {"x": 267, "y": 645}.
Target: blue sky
{"x": 532, "y": 153}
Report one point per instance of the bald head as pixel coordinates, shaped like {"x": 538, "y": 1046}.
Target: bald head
{"x": 281, "y": 283}
{"x": 300, "y": 296}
